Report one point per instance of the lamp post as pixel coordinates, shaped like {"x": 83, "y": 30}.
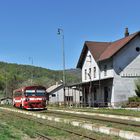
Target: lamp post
{"x": 61, "y": 32}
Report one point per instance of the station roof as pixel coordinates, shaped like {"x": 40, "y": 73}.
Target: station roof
{"x": 104, "y": 50}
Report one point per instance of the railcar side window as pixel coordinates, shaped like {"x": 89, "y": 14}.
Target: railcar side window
{"x": 40, "y": 94}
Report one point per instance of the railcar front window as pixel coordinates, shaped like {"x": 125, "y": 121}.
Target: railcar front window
{"x": 29, "y": 94}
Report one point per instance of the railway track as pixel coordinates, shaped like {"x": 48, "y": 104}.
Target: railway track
{"x": 40, "y": 136}
{"x": 59, "y": 128}
{"x": 43, "y": 137}
{"x": 42, "y": 122}
{"x": 123, "y": 131}
{"x": 117, "y": 121}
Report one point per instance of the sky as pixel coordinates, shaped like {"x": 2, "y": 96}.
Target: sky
{"x": 28, "y": 28}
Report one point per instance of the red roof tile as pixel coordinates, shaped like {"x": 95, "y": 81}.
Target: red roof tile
{"x": 103, "y": 50}
{"x": 116, "y": 46}
{"x": 96, "y": 49}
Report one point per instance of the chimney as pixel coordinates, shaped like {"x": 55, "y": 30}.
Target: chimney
{"x": 126, "y": 32}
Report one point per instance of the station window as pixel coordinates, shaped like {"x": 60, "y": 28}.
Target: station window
{"x": 53, "y": 95}
{"x": 85, "y": 74}
{"x": 69, "y": 98}
{"x": 105, "y": 70}
{"x": 137, "y": 49}
{"x": 89, "y": 74}
{"x": 89, "y": 58}
{"x": 94, "y": 72}
{"x": 81, "y": 98}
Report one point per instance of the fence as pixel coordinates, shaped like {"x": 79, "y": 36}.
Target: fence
{"x": 124, "y": 104}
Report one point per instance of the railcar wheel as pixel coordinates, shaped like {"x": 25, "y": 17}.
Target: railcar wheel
{"x": 20, "y": 107}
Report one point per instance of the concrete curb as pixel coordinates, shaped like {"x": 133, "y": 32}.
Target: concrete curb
{"x": 93, "y": 127}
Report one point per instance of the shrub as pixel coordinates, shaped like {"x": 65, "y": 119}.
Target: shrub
{"x": 134, "y": 102}
{"x": 134, "y": 99}
{"x": 137, "y": 90}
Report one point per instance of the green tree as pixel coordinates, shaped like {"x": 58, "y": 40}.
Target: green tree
{"x": 14, "y": 76}
{"x": 2, "y": 85}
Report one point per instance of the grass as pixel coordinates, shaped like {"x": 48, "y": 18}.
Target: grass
{"x": 115, "y": 112}
{"x": 22, "y": 126}
{"x": 7, "y": 132}
{"x": 14, "y": 128}
{"x": 94, "y": 121}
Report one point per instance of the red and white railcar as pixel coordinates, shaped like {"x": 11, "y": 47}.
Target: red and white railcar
{"x": 30, "y": 97}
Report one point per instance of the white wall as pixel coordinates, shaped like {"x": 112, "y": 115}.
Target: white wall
{"x": 109, "y": 72}
{"x": 126, "y": 64}
{"x": 91, "y": 64}
{"x": 75, "y": 93}
{"x": 59, "y": 95}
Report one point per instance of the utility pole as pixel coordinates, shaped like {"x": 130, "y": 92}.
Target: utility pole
{"x": 6, "y": 94}
{"x": 31, "y": 59}
{"x": 61, "y": 32}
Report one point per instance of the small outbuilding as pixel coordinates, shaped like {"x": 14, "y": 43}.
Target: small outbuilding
{"x": 6, "y": 100}
{"x": 72, "y": 96}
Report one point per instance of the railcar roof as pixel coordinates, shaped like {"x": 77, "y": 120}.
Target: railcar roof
{"x": 29, "y": 88}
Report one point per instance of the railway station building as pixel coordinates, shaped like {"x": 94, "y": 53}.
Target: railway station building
{"x": 109, "y": 70}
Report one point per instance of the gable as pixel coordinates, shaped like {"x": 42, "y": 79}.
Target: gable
{"x": 95, "y": 48}
{"x": 54, "y": 88}
{"x": 115, "y": 46}
{"x": 104, "y": 50}
{"x": 128, "y": 59}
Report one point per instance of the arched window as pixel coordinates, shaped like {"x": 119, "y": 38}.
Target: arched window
{"x": 105, "y": 70}
{"x": 137, "y": 49}
{"x": 85, "y": 74}
{"x": 94, "y": 72}
{"x": 89, "y": 58}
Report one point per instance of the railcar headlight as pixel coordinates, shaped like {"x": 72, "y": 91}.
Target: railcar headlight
{"x": 27, "y": 99}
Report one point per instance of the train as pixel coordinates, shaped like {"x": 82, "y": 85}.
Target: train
{"x": 30, "y": 97}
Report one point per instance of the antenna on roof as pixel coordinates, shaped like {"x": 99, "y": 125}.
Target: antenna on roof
{"x": 126, "y": 32}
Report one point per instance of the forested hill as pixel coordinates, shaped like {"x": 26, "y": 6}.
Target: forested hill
{"x": 13, "y": 76}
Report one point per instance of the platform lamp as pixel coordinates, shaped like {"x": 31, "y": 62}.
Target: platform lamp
{"x": 61, "y": 32}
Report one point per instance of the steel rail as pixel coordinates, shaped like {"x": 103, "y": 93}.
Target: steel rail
{"x": 44, "y": 137}
{"x": 66, "y": 130}
{"x": 118, "y": 121}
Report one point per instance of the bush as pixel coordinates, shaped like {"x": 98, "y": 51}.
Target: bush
{"x": 134, "y": 99}
{"x": 134, "y": 102}
{"x": 137, "y": 90}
